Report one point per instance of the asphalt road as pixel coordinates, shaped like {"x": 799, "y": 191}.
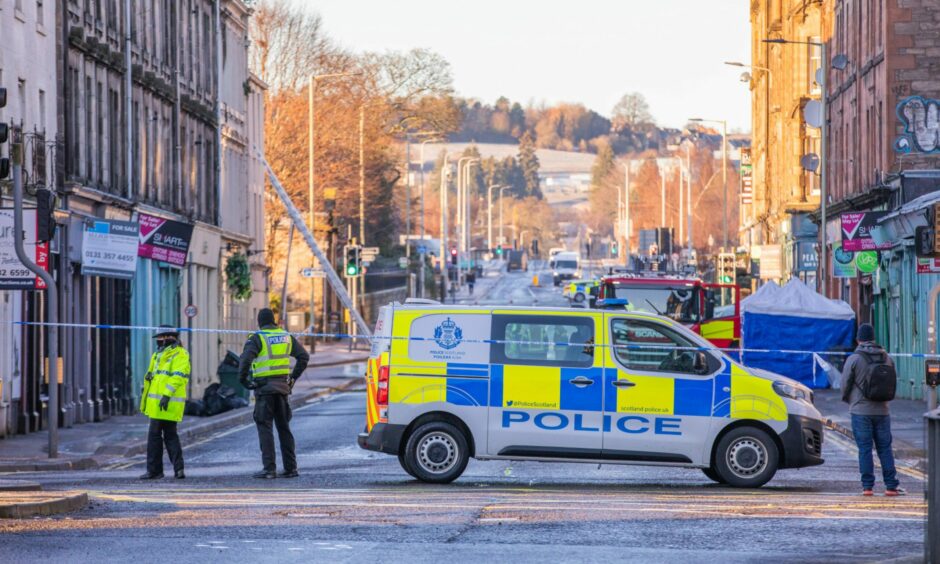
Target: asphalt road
{"x": 354, "y": 505}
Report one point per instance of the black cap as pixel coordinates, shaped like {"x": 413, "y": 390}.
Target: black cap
{"x": 266, "y": 317}
{"x": 166, "y": 331}
{"x": 866, "y": 333}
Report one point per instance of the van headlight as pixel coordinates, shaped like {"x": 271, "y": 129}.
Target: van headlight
{"x": 787, "y": 390}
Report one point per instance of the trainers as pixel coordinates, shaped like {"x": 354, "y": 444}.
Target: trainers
{"x": 895, "y": 492}
{"x": 867, "y": 493}
{"x": 264, "y": 475}
{"x": 179, "y": 475}
{"x": 151, "y": 476}
{"x": 289, "y": 474}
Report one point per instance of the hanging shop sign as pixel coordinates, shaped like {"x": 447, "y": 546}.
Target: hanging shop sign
{"x": 928, "y": 266}
{"x": 866, "y": 261}
{"x": 843, "y": 262}
{"x": 13, "y": 274}
{"x": 164, "y": 240}
{"x": 807, "y": 259}
{"x": 109, "y": 248}
{"x": 856, "y": 231}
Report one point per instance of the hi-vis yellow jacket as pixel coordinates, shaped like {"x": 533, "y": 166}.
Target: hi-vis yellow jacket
{"x": 167, "y": 375}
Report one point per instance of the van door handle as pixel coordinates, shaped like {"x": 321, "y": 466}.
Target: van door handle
{"x": 581, "y": 381}
{"x": 623, "y": 383}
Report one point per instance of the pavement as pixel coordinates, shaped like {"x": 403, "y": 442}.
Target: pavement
{"x": 907, "y": 424}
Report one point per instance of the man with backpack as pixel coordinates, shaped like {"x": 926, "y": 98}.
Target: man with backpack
{"x": 869, "y": 382}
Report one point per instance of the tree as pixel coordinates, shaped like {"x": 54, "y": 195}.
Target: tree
{"x": 632, "y": 111}
{"x": 603, "y": 164}
{"x": 529, "y": 162}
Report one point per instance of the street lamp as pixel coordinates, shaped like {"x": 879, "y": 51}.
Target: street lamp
{"x": 839, "y": 62}
{"x": 310, "y": 176}
{"x": 724, "y": 172}
{"x": 501, "y": 239}
{"x": 489, "y": 215}
{"x": 423, "y": 246}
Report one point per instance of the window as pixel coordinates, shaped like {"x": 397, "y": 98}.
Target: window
{"x": 679, "y": 303}
{"x": 814, "y": 57}
{"x": 651, "y": 347}
{"x": 543, "y": 340}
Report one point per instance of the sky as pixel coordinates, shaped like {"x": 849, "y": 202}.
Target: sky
{"x": 583, "y": 51}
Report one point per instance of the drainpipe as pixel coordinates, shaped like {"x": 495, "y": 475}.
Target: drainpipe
{"x": 931, "y": 392}
{"x": 217, "y": 14}
{"x": 128, "y": 95}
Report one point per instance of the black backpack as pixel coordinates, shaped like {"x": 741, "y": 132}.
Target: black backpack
{"x": 876, "y": 379}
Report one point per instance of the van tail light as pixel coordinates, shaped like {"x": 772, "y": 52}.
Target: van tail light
{"x": 381, "y": 391}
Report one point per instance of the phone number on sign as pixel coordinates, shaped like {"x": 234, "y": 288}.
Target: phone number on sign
{"x": 108, "y": 256}
{"x": 15, "y": 273}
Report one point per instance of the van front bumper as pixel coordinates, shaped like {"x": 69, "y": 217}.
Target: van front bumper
{"x": 802, "y": 442}
{"x": 384, "y": 437}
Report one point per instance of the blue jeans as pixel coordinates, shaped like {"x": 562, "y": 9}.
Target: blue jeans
{"x": 868, "y": 429}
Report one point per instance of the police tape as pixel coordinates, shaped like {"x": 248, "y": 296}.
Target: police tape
{"x": 619, "y": 346}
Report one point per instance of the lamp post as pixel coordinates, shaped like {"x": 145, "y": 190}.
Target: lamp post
{"x": 489, "y": 215}
{"x": 423, "y": 246}
{"x": 445, "y": 251}
{"x": 724, "y": 173}
{"x": 822, "y": 283}
{"x": 626, "y": 211}
{"x": 311, "y": 91}
{"x": 501, "y": 239}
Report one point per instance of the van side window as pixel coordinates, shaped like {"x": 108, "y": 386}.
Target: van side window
{"x": 651, "y": 347}
{"x": 541, "y": 340}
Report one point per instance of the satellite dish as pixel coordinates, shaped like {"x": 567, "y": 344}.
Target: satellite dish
{"x": 810, "y": 162}
{"x": 745, "y": 77}
{"x": 813, "y": 113}
{"x": 839, "y": 62}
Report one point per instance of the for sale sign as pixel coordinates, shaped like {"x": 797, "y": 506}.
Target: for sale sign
{"x": 109, "y": 248}
{"x": 856, "y": 231}
{"x": 164, "y": 240}
{"x": 13, "y": 274}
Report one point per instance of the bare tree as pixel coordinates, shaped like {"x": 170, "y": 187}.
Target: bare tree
{"x": 288, "y": 44}
{"x": 631, "y": 111}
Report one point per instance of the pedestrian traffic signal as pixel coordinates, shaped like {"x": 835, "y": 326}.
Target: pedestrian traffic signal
{"x": 499, "y": 250}
{"x": 453, "y": 256}
{"x": 4, "y": 135}
{"x": 45, "y": 215}
{"x": 353, "y": 254}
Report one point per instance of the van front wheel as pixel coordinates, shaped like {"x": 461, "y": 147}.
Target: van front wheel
{"x": 437, "y": 452}
{"x": 746, "y": 458}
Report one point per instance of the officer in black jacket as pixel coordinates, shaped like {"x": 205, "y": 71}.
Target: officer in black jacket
{"x": 272, "y": 404}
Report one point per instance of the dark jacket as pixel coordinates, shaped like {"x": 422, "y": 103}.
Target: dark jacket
{"x": 851, "y": 394}
{"x": 276, "y": 384}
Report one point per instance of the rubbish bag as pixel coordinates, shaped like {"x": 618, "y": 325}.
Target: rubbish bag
{"x": 219, "y": 398}
{"x": 193, "y": 407}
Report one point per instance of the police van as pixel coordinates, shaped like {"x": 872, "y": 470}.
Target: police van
{"x": 447, "y": 383}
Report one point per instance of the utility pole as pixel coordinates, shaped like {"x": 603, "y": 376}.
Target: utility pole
{"x": 445, "y": 251}
{"x": 408, "y": 197}
{"x": 52, "y": 297}
{"x": 501, "y": 239}
{"x": 688, "y": 200}
{"x": 662, "y": 196}
{"x": 626, "y": 210}
{"x": 362, "y": 176}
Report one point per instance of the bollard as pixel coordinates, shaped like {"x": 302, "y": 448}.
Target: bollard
{"x": 932, "y": 488}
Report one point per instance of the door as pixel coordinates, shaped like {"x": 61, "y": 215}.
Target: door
{"x": 721, "y": 323}
{"x": 659, "y": 392}
{"x": 546, "y": 392}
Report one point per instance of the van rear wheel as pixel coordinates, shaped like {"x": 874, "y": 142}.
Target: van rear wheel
{"x": 437, "y": 452}
{"x": 746, "y": 458}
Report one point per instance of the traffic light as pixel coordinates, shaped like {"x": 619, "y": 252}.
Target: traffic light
{"x": 45, "y": 215}
{"x": 499, "y": 250}
{"x": 353, "y": 256}
{"x": 4, "y": 135}
{"x": 726, "y": 270}
{"x": 453, "y": 256}
{"x": 613, "y": 249}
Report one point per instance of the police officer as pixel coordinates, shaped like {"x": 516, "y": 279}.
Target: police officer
{"x": 163, "y": 400}
{"x": 265, "y": 368}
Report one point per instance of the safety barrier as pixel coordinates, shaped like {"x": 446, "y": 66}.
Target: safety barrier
{"x": 636, "y": 346}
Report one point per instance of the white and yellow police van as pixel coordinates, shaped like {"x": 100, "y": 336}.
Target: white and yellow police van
{"x": 446, "y": 383}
